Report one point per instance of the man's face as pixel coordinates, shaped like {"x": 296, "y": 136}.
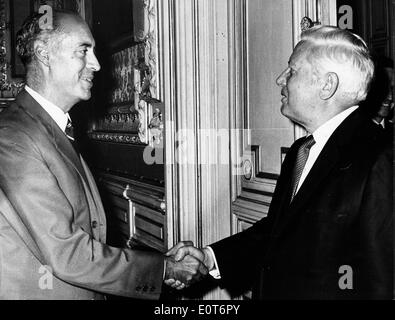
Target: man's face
{"x": 298, "y": 88}
{"x": 386, "y": 106}
{"x": 72, "y": 63}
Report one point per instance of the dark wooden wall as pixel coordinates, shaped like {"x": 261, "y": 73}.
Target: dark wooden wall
{"x": 132, "y": 190}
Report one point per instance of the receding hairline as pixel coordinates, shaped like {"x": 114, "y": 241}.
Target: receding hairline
{"x": 65, "y": 19}
{"x": 68, "y": 23}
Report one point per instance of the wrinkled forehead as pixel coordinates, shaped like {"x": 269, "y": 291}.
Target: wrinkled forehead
{"x": 74, "y": 27}
{"x": 299, "y": 53}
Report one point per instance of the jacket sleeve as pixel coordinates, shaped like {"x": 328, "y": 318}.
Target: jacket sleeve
{"x": 73, "y": 255}
{"x": 240, "y": 257}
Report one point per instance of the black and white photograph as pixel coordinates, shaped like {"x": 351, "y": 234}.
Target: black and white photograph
{"x": 196, "y": 158}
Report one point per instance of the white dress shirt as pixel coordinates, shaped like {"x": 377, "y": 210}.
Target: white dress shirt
{"x": 54, "y": 111}
{"x": 321, "y": 137}
{"x": 382, "y": 123}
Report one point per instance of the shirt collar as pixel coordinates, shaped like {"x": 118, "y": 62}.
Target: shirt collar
{"x": 323, "y": 133}
{"x": 54, "y": 111}
{"x": 382, "y": 123}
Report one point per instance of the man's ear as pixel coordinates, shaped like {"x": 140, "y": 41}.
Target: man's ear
{"x": 331, "y": 83}
{"x": 41, "y": 52}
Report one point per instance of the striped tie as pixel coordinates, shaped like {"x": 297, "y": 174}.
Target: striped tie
{"x": 69, "y": 130}
{"x": 301, "y": 158}
{"x": 70, "y": 135}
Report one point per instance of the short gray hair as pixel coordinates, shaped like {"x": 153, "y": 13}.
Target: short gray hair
{"x": 31, "y": 31}
{"x": 344, "y": 51}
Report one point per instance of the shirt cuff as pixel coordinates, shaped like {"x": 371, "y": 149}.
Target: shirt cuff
{"x": 215, "y": 272}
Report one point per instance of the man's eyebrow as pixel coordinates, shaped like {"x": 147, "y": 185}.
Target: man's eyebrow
{"x": 85, "y": 44}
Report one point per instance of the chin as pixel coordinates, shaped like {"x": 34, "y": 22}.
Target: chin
{"x": 283, "y": 110}
{"x": 85, "y": 96}
{"x": 286, "y": 113}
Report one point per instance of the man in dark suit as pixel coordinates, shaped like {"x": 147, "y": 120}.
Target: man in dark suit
{"x": 329, "y": 230}
{"x": 52, "y": 222}
{"x": 379, "y": 103}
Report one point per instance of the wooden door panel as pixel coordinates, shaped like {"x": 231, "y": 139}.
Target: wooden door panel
{"x": 123, "y": 138}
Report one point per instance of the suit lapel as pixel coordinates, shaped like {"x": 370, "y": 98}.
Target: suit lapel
{"x": 58, "y": 137}
{"x": 336, "y": 153}
{"x": 323, "y": 166}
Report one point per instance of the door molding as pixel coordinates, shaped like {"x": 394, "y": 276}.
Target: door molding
{"x": 195, "y": 65}
{"x": 204, "y": 90}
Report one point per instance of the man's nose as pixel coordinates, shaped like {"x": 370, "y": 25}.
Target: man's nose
{"x": 93, "y": 63}
{"x": 282, "y": 79}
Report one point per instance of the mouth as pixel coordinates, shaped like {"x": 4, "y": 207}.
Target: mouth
{"x": 88, "y": 80}
{"x": 284, "y": 96}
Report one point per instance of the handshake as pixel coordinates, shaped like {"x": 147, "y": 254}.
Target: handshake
{"x": 186, "y": 264}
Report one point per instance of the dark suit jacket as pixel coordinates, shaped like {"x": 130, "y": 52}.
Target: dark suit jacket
{"x": 341, "y": 216}
{"x": 388, "y": 131}
{"x": 51, "y": 214}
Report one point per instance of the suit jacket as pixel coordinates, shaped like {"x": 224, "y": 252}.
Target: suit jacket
{"x": 388, "y": 130}
{"x": 51, "y": 215}
{"x": 337, "y": 230}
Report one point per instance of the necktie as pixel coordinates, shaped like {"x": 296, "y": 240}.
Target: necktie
{"x": 301, "y": 158}
{"x": 69, "y": 130}
{"x": 70, "y": 135}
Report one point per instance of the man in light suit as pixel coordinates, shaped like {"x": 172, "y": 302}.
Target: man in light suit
{"x": 329, "y": 230}
{"x": 52, "y": 222}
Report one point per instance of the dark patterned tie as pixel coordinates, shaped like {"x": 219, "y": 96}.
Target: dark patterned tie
{"x": 70, "y": 135}
{"x": 301, "y": 158}
{"x": 69, "y": 130}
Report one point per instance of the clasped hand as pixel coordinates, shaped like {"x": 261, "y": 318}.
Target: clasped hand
{"x": 185, "y": 265}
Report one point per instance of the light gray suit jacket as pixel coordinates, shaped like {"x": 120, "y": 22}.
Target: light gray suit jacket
{"x": 51, "y": 215}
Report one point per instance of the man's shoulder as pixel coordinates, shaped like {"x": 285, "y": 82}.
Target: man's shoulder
{"x": 370, "y": 136}
{"x": 17, "y": 124}
{"x": 377, "y": 151}
{"x": 385, "y": 154}
{"x": 23, "y": 108}
{"x": 14, "y": 114}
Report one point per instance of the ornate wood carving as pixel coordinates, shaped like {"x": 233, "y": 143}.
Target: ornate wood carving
{"x": 8, "y": 88}
{"x": 133, "y": 115}
{"x": 150, "y": 40}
